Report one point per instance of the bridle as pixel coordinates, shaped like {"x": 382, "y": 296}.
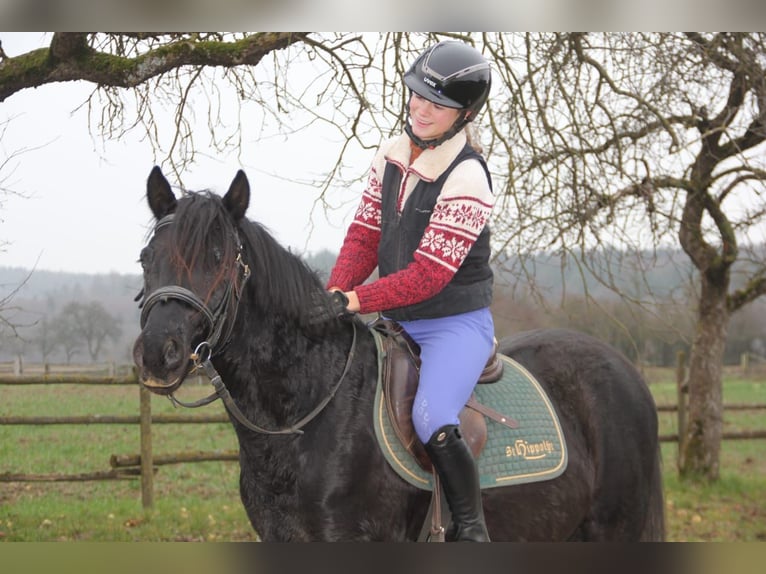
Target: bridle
{"x": 218, "y": 318}
{"x": 224, "y": 315}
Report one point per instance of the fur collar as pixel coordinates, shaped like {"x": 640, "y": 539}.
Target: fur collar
{"x": 432, "y": 162}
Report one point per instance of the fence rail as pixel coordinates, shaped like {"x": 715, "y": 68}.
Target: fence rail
{"x": 112, "y": 474}
{"x": 112, "y": 419}
{"x": 19, "y": 367}
{"x": 145, "y": 464}
{"x": 71, "y": 379}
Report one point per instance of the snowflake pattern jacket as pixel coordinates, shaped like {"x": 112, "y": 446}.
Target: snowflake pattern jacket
{"x": 425, "y": 223}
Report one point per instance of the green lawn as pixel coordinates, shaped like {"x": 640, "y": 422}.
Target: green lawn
{"x": 734, "y": 508}
{"x": 197, "y": 501}
{"x": 200, "y": 501}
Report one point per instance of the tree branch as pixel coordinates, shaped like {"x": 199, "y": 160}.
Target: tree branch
{"x": 754, "y": 288}
{"x": 71, "y": 58}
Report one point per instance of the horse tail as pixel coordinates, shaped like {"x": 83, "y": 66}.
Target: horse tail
{"x": 654, "y": 526}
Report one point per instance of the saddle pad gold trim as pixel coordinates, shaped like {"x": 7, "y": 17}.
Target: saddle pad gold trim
{"x": 533, "y": 452}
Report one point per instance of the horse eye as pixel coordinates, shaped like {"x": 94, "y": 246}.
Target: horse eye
{"x": 146, "y": 256}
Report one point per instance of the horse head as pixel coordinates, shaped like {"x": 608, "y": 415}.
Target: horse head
{"x": 194, "y": 273}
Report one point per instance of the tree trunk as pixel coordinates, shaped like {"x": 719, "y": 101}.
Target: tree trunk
{"x": 701, "y": 445}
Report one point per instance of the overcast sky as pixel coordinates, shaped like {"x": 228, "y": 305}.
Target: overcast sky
{"x": 81, "y": 207}
{"x": 84, "y": 208}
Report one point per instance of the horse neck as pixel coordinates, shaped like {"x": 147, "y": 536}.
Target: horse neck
{"x": 280, "y": 362}
{"x": 278, "y": 372}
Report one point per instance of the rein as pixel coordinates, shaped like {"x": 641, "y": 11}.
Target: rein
{"x": 221, "y": 392}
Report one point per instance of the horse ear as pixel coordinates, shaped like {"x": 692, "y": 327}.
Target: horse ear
{"x": 158, "y": 193}
{"x": 237, "y": 198}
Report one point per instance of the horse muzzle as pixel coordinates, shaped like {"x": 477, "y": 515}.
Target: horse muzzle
{"x": 161, "y": 372}
{"x": 161, "y": 387}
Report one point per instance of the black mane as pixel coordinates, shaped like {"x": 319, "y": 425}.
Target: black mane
{"x": 280, "y": 281}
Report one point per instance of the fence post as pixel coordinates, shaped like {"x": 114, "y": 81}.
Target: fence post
{"x": 147, "y": 463}
{"x": 744, "y": 363}
{"x": 18, "y": 366}
{"x": 682, "y": 390}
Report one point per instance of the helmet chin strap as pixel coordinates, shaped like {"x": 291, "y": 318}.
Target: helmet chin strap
{"x": 429, "y": 144}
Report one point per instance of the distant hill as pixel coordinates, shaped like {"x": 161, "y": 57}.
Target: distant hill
{"x": 44, "y": 293}
{"x": 38, "y": 283}
{"x": 662, "y": 273}
{"x": 666, "y": 274}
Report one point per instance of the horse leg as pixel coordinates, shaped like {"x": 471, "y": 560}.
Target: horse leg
{"x": 459, "y": 475}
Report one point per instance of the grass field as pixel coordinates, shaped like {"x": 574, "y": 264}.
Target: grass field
{"x": 734, "y": 508}
{"x": 192, "y": 502}
{"x": 200, "y": 501}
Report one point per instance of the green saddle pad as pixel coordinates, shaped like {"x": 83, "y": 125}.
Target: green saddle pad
{"x": 534, "y": 451}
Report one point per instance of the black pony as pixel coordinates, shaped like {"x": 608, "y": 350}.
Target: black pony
{"x": 299, "y": 384}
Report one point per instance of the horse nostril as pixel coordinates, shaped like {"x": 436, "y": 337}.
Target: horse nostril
{"x": 138, "y": 354}
{"x": 172, "y": 354}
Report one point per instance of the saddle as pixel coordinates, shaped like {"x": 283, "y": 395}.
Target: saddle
{"x": 401, "y": 368}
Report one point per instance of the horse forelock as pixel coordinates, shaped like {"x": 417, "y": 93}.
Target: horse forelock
{"x": 280, "y": 283}
{"x": 203, "y": 240}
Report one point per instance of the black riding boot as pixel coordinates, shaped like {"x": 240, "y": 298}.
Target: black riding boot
{"x": 459, "y": 476}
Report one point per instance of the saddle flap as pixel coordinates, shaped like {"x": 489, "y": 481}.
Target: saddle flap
{"x": 400, "y": 382}
{"x": 530, "y": 448}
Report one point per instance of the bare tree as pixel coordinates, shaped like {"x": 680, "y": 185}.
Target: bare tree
{"x": 65, "y": 336}
{"x": 44, "y": 339}
{"x": 634, "y": 141}
{"x": 347, "y": 84}
{"x": 9, "y": 161}
{"x": 7, "y": 168}
{"x": 604, "y": 146}
{"x": 90, "y": 324}
{"x": 10, "y": 325}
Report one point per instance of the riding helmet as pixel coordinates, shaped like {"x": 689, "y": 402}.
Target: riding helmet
{"x": 451, "y": 74}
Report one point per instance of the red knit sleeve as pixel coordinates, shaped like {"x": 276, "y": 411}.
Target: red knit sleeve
{"x": 420, "y": 280}
{"x": 358, "y": 256}
{"x": 357, "y": 259}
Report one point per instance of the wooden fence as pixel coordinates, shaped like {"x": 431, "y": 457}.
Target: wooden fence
{"x": 18, "y": 367}
{"x": 145, "y": 464}
{"x": 142, "y": 465}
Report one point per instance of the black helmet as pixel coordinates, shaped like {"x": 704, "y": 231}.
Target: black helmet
{"x": 451, "y": 74}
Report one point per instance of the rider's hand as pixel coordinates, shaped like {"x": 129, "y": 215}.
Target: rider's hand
{"x": 330, "y": 305}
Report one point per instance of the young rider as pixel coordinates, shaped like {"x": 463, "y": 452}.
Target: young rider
{"x": 422, "y": 221}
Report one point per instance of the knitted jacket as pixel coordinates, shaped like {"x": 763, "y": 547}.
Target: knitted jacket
{"x": 459, "y": 216}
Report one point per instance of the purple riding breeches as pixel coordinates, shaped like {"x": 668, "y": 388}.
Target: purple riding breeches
{"x": 453, "y": 350}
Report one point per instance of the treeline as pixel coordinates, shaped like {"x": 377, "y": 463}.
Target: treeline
{"x": 63, "y": 317}
{"x": 648, "y": 336}
{"x": 642, "y": 303}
